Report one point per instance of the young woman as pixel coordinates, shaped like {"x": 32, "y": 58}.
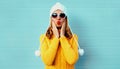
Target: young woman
{"x": 59, "y": 48}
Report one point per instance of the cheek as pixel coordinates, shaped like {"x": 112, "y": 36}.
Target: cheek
{"x": 54, "y": 20}
{"x": 62, "y": 20}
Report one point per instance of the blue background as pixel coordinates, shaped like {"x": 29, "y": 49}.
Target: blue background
{"x": 96, "y": 22}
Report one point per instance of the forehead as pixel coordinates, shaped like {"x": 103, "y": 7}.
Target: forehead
{"x": 58, "y": 11}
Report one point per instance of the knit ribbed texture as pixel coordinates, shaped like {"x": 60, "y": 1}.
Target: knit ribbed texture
{"x": 59, "y": 53}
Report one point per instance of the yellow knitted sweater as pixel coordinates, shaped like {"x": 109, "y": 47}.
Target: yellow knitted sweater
{"x": 59, "y": 53}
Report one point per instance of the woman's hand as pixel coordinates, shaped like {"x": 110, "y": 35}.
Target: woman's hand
{"x": 55, "y": 30}
{"x": 63, "y": 29}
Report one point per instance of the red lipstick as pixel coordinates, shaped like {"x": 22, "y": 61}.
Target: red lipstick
{"x": 58, "y": 22}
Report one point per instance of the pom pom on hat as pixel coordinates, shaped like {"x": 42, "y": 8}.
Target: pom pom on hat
{"x": 56, "y": 7}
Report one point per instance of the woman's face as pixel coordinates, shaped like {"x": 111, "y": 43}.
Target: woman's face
{"x": 58, "y": 17}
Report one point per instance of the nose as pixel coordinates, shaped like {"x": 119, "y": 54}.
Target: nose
{"x": 58, "y": 18}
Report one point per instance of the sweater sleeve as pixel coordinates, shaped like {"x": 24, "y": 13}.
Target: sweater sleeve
{"x": 70, "y": 50}
{"x": 48, "y": 52}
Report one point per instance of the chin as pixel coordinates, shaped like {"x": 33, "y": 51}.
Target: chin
{"x": 58, "y": 25}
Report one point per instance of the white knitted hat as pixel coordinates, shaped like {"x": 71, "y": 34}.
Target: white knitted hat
{"x": 56, "y": 7}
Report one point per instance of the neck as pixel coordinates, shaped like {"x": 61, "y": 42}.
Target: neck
{"x": 59, "y": 28}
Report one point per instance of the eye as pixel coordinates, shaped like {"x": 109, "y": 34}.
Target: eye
{"x": 54, "y": 15}
{"x": 62, "y": 15}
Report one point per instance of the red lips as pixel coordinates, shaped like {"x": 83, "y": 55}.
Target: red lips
{"x": 58, "y": 22}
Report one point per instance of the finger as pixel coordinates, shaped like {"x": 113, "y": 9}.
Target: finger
{"x": 54, "y": 24}
{"x": 63, "y": 26}
{"x": 55, "y": 31}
